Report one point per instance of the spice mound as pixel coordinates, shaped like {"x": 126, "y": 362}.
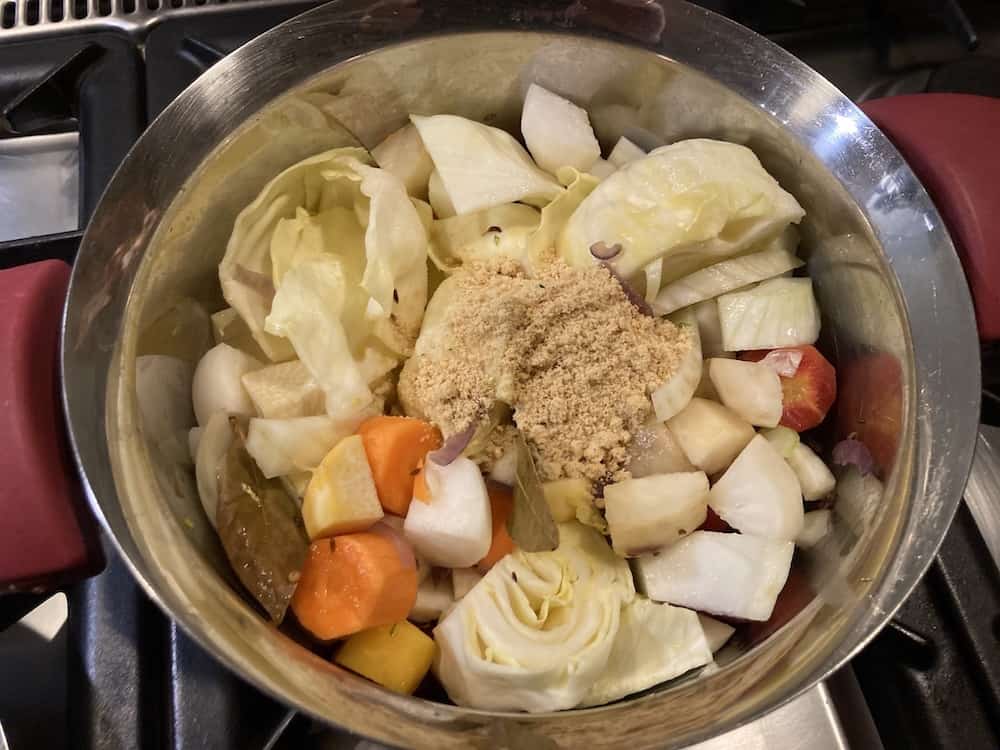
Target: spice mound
{"x": 563, "y": 347}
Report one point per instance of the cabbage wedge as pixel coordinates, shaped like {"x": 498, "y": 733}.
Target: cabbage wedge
{"x": 692, "y": 203}
{"x": 536, "y": 632}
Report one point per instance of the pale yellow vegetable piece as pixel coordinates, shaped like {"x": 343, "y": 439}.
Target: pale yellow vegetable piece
{"x": 285, "y": 391}
{"x": 564, "y": 496}
{"x": 341, "y": 496}
{"x": 396, "y": 656}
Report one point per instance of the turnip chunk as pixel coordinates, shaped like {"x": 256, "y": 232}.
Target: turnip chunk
{"x": 816, "y": 479}
{"x": 655, "y": 511}
{"x": 433, "y": 597}
{"x": 624, "y": 152}
{"x": 750, "y": 389}
{"x": 733, "y": 575}
{"x": 557, "y": 132}
{"x": 717, "y": 633}
{"x": 463, "y": 580}
{"x": 217, "y": 384}
{"x": 759, "y": 494}
{"x": 710, "y": 435}
{"x": 402, "y": 153}
{"x": 815, "y": 526}
{"x": 454, "y": 528}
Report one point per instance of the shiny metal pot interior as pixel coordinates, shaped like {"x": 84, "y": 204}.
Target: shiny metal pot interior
{"x": 896, "y": 309}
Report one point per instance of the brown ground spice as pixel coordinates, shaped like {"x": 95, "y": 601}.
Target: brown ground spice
{"x": 565, "y": 347}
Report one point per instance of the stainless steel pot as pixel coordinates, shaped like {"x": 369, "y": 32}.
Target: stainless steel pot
{"x": 897, "y": 317}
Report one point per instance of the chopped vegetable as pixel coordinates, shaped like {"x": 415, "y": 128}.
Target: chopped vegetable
{"x": 395, "y": 656}
{"x": 809, "y": 394}
{"x": 717, "y": 633}
{"x": 502, "y": 171}
{"x": 434, "y": 596}
{"x": 816, "y": 526}
{"x": 783, "y": 439}
{"x": 395, "y": 447}
{"x": 655, "y": 643}
{"x": 229, "y": 328}
{"x": 259, "y": 528}
{"x": 282, "y": 446}
{"x": 213, "y": 446}
{"x": 734, "y": 575}
{"x": 557, "y": 132}
{"x": 759, "y": 494}
{"x": 352, "y": 582}
{"x": 555, "y": 215}
{"x": 573, "y": 499}
{"x": 284, "y": 391}
{"x": 308, "y": 309}
{"x": 655, "y": 511}
{"x": 692, "y": 203}
{"x": 624, "y": 152}
{"x": 710, "y": 435}
{"x": 454, "y": 529}
{"x": 654, "y": 450}
{"x": 530, "y": 523}
{"x": 496, "y": 232}
{"x": 501, "y": 506}
{"x": 163, "y": 392}
{"x": 245, "y": 270}
{"x": 463, "y": 580}
{"x": 217, "y": 385}
{"x": 564, "y": 496}
{"x": 706, "y": 316}
{"x": 439, "y": 200}
{"x": 341, "y": 497}
{"x": 498, "y": 652}
{"x": 673, "y": 395}
{"x": 777, "y": 313}
{"x": 601, "y": 169}
{"x": 785, "y": 362}
{"x": 402, "y": 154}
{"x": 750, "y": 389}
{"x": 816, "y": 480}
{"x": 775, "y": 259}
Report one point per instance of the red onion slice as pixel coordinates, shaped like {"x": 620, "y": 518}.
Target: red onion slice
{"x": 637, "y": 300}
{"x": 852, "y": 452}
{"x": 603, "y": 251}
{"x": 403, "y": 548}
{"x": 785, "y": 362}
{"x": 453, "y": 446}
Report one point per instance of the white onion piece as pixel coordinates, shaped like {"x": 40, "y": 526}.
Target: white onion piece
{"x": 216, "y": 435}
{"x": 725, "y": 277}
{"x": 816, "y": 479}
{"x": 677, "y": 392}
{"x": 624, "y": 152}
{"x": 816, "y": 525}
{"x": 780, "y": 312}
{"x": 556, "y": 131}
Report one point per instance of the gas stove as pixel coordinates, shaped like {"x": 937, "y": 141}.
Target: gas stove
{"x": 80, "y": 80}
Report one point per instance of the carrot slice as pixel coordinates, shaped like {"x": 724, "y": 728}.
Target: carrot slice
{"x": 352, "y": 582}
{"x": 421, "y": 491}
{"x": 501, "y": 504}
{"x": 395, "y": 447}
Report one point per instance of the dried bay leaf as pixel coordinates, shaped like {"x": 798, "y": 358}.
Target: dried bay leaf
{"x": 530, "y": 524}
{"x": 260, "y": 528}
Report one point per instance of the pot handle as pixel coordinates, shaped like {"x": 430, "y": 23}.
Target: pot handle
{"x": 47, "y": 536}
{"x": 950, "y": 141}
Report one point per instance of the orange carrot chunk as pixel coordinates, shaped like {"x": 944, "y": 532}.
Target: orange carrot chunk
{"x": 352, "y": 582}
{"x": 395, "y": 447}
{"x": 501, "y": 504}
